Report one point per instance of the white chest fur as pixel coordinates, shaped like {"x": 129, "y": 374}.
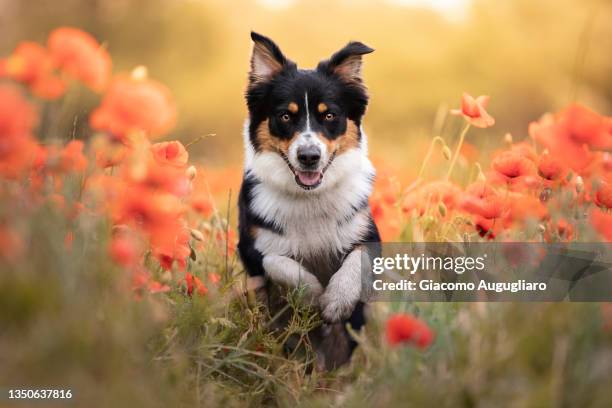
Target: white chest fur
{"x": 314, "y": 223}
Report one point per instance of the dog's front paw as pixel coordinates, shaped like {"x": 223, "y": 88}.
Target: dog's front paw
{"x": 337, "y": 302}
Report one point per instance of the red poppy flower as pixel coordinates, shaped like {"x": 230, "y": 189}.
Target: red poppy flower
{"x": 404, "y": 328}
{"x": 602, "y": 222}
{"x": 603, "y": 195}
{"x": 124, "y": 250}
{"x": 376, "y": 208}
{"x": 202, "y": 204}
{"x": 526, "y": 150}
{"x": 155, "y": 213}
{"x": 511, "y": 165}
{"x": 72, "y": 158}
{"x": 165, "y": 178}
{"x": 79, "y": 55}
{"x": 474, "y": 111}
{"x": 133, "y": 105}
{"x": 523, "y": 207}
{"x": 18, "y": 150}
{"x": 157, "y": 287}
{"x": 17, "y": 116}
{"x": 431, "y": 194}
{"x": 175, "y": 252}
{"x": 171, "y": 153}
{"x": 550, "y": 168}
{"x": 193, "y": 282}
{"x": 214, "y": 277}
{"x": 565, "y": 229}
{"x": 489, "y": 228}
{"x": 571, "y": 133}
{"x": 479, "y": 199}
{"x": 586, "y": 126}
{"x": 31, "y": 64}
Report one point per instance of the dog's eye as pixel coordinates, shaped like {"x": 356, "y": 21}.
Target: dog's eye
{"x": 284, "y": 117}
{"x": 330, "y": 116}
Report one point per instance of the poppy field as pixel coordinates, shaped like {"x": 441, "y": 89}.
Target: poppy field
{"x": 120, "y": 278}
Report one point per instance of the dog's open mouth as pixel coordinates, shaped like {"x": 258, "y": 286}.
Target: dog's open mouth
{"x": 308, "y": 180}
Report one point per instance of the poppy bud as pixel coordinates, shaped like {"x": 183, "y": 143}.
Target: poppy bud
{"x": 442, "y": 209}
{"x": 446, "y": 153}
{"x": 191, "y": 173}
{"x": 508, "y": 138}
{"x": 197, "y": 235}
{"x": 139, "y": 73}
{"x": 545, "y": 194}
{"x": 579, "y": 184}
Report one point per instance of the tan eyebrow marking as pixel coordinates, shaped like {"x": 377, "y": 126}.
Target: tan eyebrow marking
{"x": 293, "y": 107}
{"x": 322, "y": 107}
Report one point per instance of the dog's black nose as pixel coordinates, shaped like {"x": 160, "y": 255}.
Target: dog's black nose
{"x": 309, "y": 156}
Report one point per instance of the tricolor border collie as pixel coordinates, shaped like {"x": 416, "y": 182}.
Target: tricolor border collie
{"x": 304, "y": 213}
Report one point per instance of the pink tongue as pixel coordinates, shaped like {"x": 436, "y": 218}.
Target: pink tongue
{"x": 309, "y": 178}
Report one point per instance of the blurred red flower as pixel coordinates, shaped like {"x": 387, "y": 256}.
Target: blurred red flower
{"x": 124, "y": 250}
{"x": 431, "y": 194}
{"x": 511, "y": 164}
{"x": 586, "y": 126}
{"x": 193, "y": 282}
{"x": 603, "y": 195}
{"x": 157, "y": 287}
{"x": 474, "y": 111}
{"x": 72, "y": 158}
{"x": 109, "y": 151}
{"x": 170, "y": 252}
{"x": 565, "y": 229}
{"x": 602, "y": 222}
{"x": 523, "y": 207}
{"x": 17, "y": 116}
{"x": 11, "y": 244}
{"x": 487, "y": 228}
{"x": 526, "y": 150}
{"x": 18, "y": 150}
{"x": 171, "y": 153}
{"x": 164, "y": 178}
{"x": 79, "y": 55}
{"x": 550, "y": 168}
{"x": 404, "y": 328}
{"x": 132, "y": 105}
{"x": 482, "y": 200}
{"x": 155, "y": 213}
{"x": 31, "y": 64}
{"x": 571, "y": 134}
{"x": 202, "y": 204}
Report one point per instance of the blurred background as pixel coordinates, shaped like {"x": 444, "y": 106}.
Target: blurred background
{"x": 530, "y": 56}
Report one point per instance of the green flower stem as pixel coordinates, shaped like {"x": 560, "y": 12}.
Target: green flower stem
{"x": 456, "y": 155}
{"x": 428, "y": 155}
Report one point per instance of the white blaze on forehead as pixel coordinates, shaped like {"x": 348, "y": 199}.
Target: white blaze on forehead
{"x": 307, "y": 112}
{"x": 307, "y": 138}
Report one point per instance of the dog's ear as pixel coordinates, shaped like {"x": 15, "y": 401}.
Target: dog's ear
{"x": 346, "y": 63}
{"x": 267, "y": 60}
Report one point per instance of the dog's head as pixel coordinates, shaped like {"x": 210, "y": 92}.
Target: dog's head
{"x": 302, "y": 121}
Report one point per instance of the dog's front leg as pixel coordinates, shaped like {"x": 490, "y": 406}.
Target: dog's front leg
{"x": 286, "y": 271}
{"x": 344, "y": 289}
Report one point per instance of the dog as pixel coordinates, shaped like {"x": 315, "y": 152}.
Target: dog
{"x": 304, "y": 214}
